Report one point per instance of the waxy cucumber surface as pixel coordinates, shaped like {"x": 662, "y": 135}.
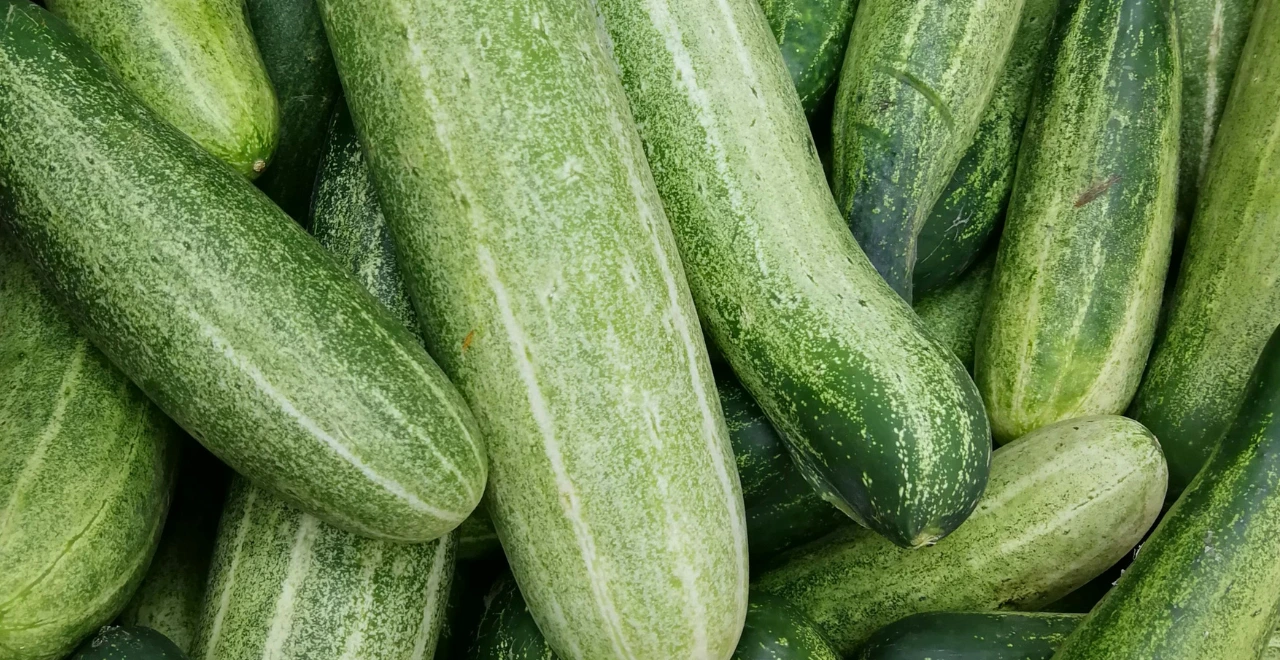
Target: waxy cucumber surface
{"x": 812, "y": 35}
{"x": 229, "y": 316}
{"x": 129, "y": 643}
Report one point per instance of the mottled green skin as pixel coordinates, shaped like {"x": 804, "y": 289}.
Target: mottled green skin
{"x": 291, "y": 39}
{"x": 192, "y": 61}
{"x": 1064, "y": 503}
{"x": 220, "y": 307}
{"x": 880, "y": 417}
{"x": 972, "y": 205}
{"x": 547, "y": 283}
{"x": 129, "y": 643}
{"x": 812, "y": 35}
{"x": 477, "y": 539}
{"x": 1072, "y": 309}
{"x": 1226, "y": 302}
{"x": 86, "y": 465}
{"x": 917, "y": 77}
{"x": 970, "y": 636}
{"x": 507, "y": 630}
{"x": 952, "y": 313}
{"x": 285, "y": 585}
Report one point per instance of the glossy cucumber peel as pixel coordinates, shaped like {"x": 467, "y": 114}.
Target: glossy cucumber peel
{"x": 1074, "y": 300}
{"x": 129, "y": 643}
{"x": 226, "y": 313}
{"x": 812, "y": 35}
{"x": 1063, "y": 504}
{"x": 192, "y": 61}
{"x": 952, "y": 313}
{"x": 970, "y": 636}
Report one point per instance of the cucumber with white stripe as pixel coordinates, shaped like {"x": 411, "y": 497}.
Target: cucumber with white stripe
{"x": 85, "y": 471}
{"x": 812, "y": 35}
{"x": 1074, "y": 301}
{"x": 1064, "y": 503}
{"x": 285, "y": 585}
{"x": 953, "y": 312}
{"x": 192, "y": 61}
{"x": 541, "y": 264}
{"x": 225, "y": 312}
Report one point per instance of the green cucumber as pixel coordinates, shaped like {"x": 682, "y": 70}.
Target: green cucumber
{"x": 917, "y": 77}
{"x": 952, "y": 313}
{"x": 812, "y": 35}
{"x": 192, "y": 61}
{"x": 882, "y": 420}
{"x": 1064, "y": 503}
{"x": 539, "y": 258}
{"x": 129, "y": 643}
{"x": 971, "y": 206}
{"x": 291, "y": 39}
{"x": 472, "y": 581}
{"x": 85, "y": 472}
{"x": 1226, "y": 302}
{"x": 970, "y": 636}
{"x": 1075, "y": 297}
{"x": 221, "y": 308}
{"x": 507, "y": 629}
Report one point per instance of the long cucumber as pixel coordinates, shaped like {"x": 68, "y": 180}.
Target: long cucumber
{"x": 812, "y": 35}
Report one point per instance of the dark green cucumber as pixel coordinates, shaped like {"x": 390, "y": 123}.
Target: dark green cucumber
{"x": 812, "y": 35}
{"x": 225, "y": 312}
{"x": 1072, "y": 309}
{"x": 507, "y": 629}
{"x": 472, "y": 581}
{"x": 916, "y": 79}
{"x": 761, "y": 455}
{"x": 970, "y": 636}
{"x": 129, "y": 643}
{"x": 952, "y": 313}
{"x": 1226, "y": 302}
{"x": 291, "y": 39}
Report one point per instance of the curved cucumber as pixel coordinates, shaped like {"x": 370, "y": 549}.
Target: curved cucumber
{"x": 1073, "y": 305}
{"x": 812, "y": 35}
{"x": 192, "y": 61}
{"x": 881, "y": 418}
{"x": 85, "y": 470}
{"x": 129, "y": 643}
{"x": 952, "y": 313}
{"x": 222, "y": 309}
{"x": 1018, "y": 550}
{"x": 970, "y": 636}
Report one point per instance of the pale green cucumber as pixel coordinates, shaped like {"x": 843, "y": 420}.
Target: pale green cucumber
{"x": 86, "y": 464}
{"x": 225, "y": 312}
{"x": 1064, "y": 503}
{"x": 952, "y": 313}
{"x": 548, "y": 285}
{"x": 882, "y": 420}
{"x": 192, "y": 61}
{"x": 1079, "y": 275}
{"x": 285, "y": 585}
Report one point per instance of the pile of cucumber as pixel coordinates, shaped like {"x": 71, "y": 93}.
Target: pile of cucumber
{"x": 640, "y": 329}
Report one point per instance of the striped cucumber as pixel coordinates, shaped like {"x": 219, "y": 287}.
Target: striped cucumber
{"x": 917, "y": 77}
{"x": 85, "y": 471}
{"x": 547, "y": 283}
{"x": 286, "y": 585}
{"x": 192, "y": 61}
{"x": 129, "y": 643}
{"x": 970, "y": 636}
{"x": 952, "y": 313}
{"x": 1074, "y": 300}
{"x": 225, "y": 312}
{"x": 1227, "y": 301}
{"x": 812, "y": 35}
{"x": 1064, "y": 503}
{"x": 882, "y": 420}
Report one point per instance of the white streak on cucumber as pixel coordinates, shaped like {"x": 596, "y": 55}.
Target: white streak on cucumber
{"x": 1211, "y": 86}
{"x": 224, "y": 599}
{"x": 440, "y": 567}
{"x": 351, "y": 645}
{"x": 282, "y": 616}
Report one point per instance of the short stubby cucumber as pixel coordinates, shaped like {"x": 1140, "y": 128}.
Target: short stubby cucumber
{"x": 86, "y": 465}
{"x": 547, "y": 284}
{"x": 285, "y": 585}
{"x": 129, "y": 643}
{"x": 882, "y": 420}
{"x": 1079, "y": 275}
{"x": 224, "y": 311}
{"x": 916, "y": 80}
{"x": 812, "y": 35}
{"x": 970, "y": 636}
{"x": 195, "y": 63}
{"x": 1064, "y": 503}
{"x": 952, "y": 313}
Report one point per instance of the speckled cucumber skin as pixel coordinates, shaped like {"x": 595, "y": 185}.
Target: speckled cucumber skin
{"x": 880, "y": 417}
{"x": 952, "y": 313}
{"x": 285, "y": 585}
{"x": 970, "y": 636}
{"x": 507, "y": 630}
{"x": 1226, "y": 302}
{"x": 129, "y": 643}
{"x": 917, "y": 77}
{"x": 229, "y": 316}
{"x": 192, "y": 61}
{"x": 1072, "y": 309}
{"x": 547, "y": 283}
{"x": 812, "y": 35}
{"x": 86, "y": 464}
{"x": 1064, "y": 503}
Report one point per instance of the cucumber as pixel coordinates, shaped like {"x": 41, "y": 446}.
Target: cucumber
{"x": 225, "y": 312}
{"x": 472, "y": 581}
{"x": 812, "y": 35}
{"x": 291, "y": 39}
{"x": 507, "y": 629}
{"x": 85, "y": 471}
{"x": 970, "y": 636}
{"x": 1226, "y": 302}
{"x": 1075, "y": 297}
{"x": 192, "y": 61}
{"x": 953, "y": 312}
{"x": 882, "y": 420}
{"x": 129, "y": 643}
{"x": 285, "y": 584}
{"x": 971, "y": 206}
{"x": 1064, "y": 503}
{"x": 543, "y": 270}
{"x": 917, "y": 77}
